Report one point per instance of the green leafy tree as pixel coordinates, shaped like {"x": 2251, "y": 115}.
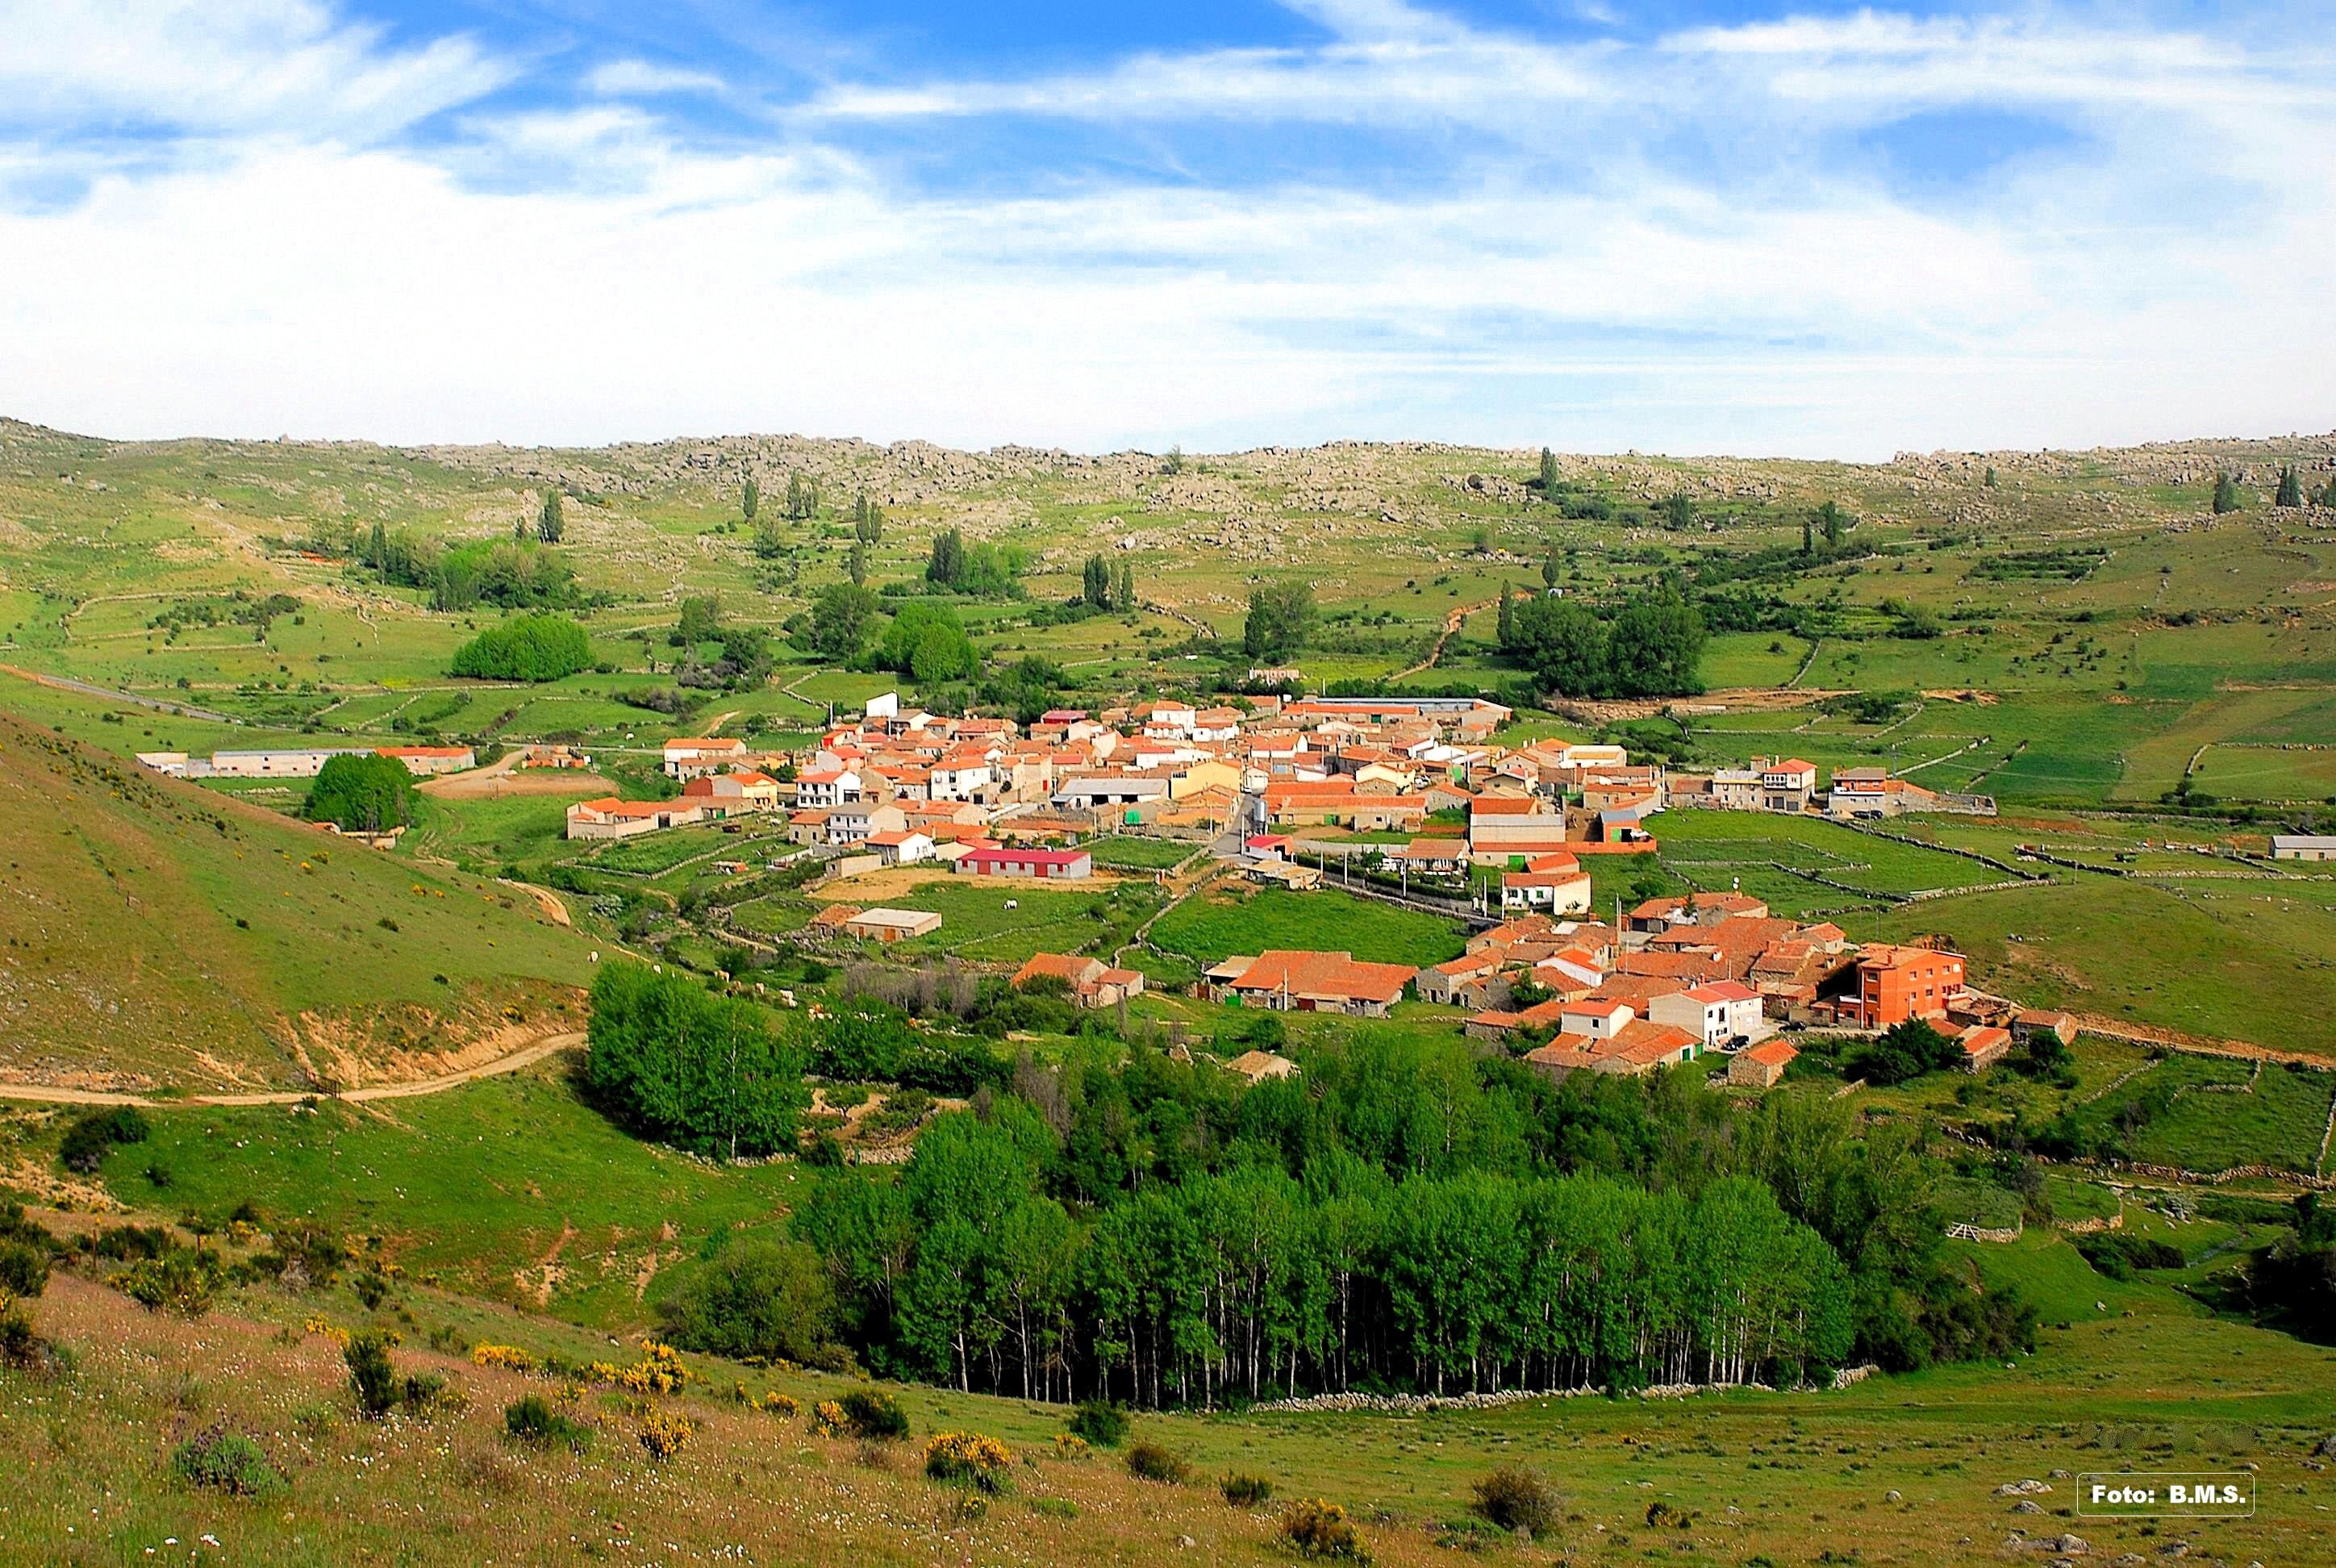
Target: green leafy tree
{"x": 1548, "y": 471}
{"x": 855, "y": 564}
{"x": 1175, "y": 461}
{"x": 867, "y": 521}
{"x": 1808, "y": 536}
{"x": 701, "y": 621}
{"x": 2327, "y": 496}
{"x": 802, "y": 497}
{"x": 945, "y": 565}
{"x": 370, "y": 794}
{"x": 551, "y": 522}
{"x": 1677, "y": 511}
{"x": 1096, "y": 588}
{"x": 943, "y": 653}
{"x": 2291, "y": 488}
{"x": 1122, "y": 590}
{"x": 1552, "y": 568}
{"x": 1281, "y": 619}
{"x": 1832, "y": 522}
{"x": 1506, "y": 629}
{"x": 755, "y": 1298}
{"x": 1990, "y": 480}
{"x": 2226, "y": 493}
{"x": 1563, "y": 643}
{"x": 531, "y": 648}
{"x": 750, "y": 498}
{"x": 840, "y": 619}
{"x": 702, "y": 1072}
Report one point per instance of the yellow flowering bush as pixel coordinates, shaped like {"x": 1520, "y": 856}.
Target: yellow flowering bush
{"x": 827, "y": 1418}
{"x": 968, "y": 1459}
{"x": 659, "y": 1371}
{"x": 1070, "y": 1446}
{"x": 781, "y": 1405}
{"x": 664, "y": 1433}
{"x": 509, "y": 1356}
{"x": 333, "y": 1331}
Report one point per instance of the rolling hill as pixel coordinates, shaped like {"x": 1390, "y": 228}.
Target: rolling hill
{"x": 156, "y": 935}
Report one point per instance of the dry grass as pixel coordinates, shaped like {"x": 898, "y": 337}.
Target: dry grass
{"x": 1785, "y": 1477}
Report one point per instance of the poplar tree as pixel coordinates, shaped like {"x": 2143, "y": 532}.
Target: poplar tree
{"x": 552, "y": 524}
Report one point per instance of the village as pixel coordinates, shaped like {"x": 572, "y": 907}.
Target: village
{"x": 1406, "y": 799}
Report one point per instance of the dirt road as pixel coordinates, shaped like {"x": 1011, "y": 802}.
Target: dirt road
{"x": 1452, "y": 624}
{"x": 527, "y": 1056}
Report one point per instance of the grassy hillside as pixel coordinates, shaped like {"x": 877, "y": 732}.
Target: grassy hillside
{"x": 156, "y": 933}
{"x": 1895, "y": 1470}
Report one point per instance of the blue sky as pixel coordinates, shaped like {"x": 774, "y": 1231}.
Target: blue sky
{"x": 1812, "y": 229}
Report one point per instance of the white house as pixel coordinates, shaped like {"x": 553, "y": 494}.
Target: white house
{"x": 689, "y": 756}
{"x": 1725, "y": 1015}
{"x": 901, "y": 846}
{"x": 828, "y": 787}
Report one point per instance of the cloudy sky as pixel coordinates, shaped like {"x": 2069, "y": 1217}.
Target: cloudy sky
{"x": 1681, "y": 227}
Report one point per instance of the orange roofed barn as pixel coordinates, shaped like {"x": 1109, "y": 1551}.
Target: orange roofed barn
{"x": 1311, "y": 982}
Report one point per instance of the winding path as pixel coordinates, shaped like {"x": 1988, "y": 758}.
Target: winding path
{"x": 525, "y": 1056}
{"x": 1453, "y": 620}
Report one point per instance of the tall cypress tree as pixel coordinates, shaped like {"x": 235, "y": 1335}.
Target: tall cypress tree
{"x": 751, "y": 498}
{"x": 2291, "y": 488}
{"x": 552, "y": 524}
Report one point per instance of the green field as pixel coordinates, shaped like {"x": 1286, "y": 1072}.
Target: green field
{"x": 1212, "y": 928}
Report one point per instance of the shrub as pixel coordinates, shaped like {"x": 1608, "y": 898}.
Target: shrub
{"x": 1151, "y": 1462}
{"x": 181, "y": 1280}
{"x": 756, "y": 1299}
{"x": 873, "y": 1416}
{"x": 532, "y": 648}
{"x": 827, "y": 1418}
{"x": 93, "y": 1133}
{"x": 19, "y": 1345}
{"x": 303, "y": 1254}
{"x": 372, "y": 1377}
{"x": 969, "y": 1459}
{"x": 1245, "y": 1491}
{"x": 510, "y": 1358}
{"x": 365, "y": 794}
{"x": 1516, "y": 1498}
{"x": 24, "y": 1268}
{"x": 1070, "y": 1446}
{"x": 1663, "y": 1515}
{"x": 664, "y": 1435}
{"x": 1315, "y": 1529}
{"x": 1101, "y": 1424}
{"x": 425, "y": 1393}
{"x": 786, "y": 1407}
{"x": 218, "y": 1460}
{"x": 532, "y": 1420}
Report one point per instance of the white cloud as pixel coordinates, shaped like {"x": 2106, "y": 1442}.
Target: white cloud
{"x": 641, "y": 79}
{"x": 588, "y": 272}
{"x": 224, "y": 65}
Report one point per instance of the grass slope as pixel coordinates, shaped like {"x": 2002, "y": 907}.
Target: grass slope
{"x": 179, "y": 936}
{"x": 1898, "y": 1470}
